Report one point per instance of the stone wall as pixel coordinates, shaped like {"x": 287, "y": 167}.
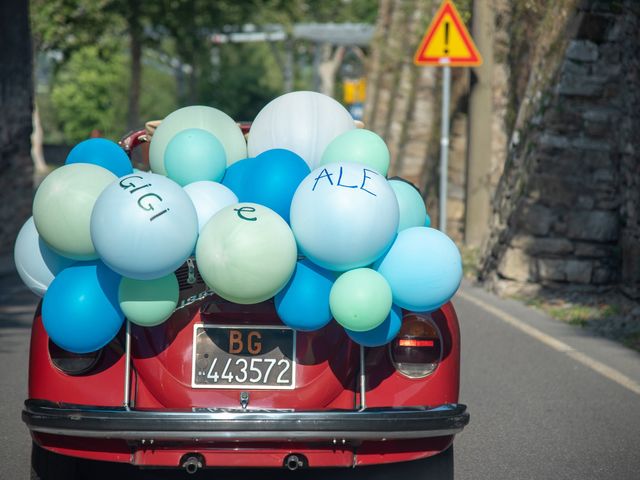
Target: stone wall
{"x": 16, "y": 168}
{"x": 566, "y": 207}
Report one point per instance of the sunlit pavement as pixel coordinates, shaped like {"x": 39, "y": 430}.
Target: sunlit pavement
{"x": 536, "y": 412}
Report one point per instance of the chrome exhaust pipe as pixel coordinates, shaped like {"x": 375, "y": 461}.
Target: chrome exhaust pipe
{"x": 192, "y": 463}
{"x": 294, "y": 462}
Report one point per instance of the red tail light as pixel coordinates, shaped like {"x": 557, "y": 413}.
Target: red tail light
{"x": 417, "y": 349}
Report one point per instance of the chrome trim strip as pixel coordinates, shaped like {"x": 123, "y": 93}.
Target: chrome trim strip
{"x": 284, "y": 436}
{"x": 277, "y": 425}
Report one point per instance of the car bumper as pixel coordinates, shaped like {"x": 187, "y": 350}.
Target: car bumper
{"x": 336, "y": 426}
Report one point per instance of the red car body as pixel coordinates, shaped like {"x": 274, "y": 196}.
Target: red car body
{"x": 168, "y": 422}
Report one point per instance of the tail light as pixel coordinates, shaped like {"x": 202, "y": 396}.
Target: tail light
{"x": 417, "y": 349}
{"x": 72, "y": 363}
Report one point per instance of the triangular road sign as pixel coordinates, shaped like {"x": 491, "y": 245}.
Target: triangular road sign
{"x": 447, "y": 41}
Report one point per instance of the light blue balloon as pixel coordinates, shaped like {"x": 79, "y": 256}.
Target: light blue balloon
{"x": 423, "y": 268}
{"x": 273, "y": 179}
{"x": 383, "y": 333}
{"x": 413, "y": 212}
{"x": 344, "y": 216}
{"x": 144, "y": 226}
{"x": 193, "y": 155}
{"x": 80, "y": 311}
{"x": 36, "y": 263}
{"x": 209, "y": 198}
{"x": 101, "y": 152}
{"x": 235, "y": 177}
{"x": 303, "y": 304}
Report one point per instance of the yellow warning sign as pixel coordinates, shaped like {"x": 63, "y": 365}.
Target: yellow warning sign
{"x": 447, "y": 41}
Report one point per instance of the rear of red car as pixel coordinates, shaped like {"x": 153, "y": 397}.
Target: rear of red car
{"x": 223, "y": 384}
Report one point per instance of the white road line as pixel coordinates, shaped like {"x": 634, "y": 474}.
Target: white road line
{"x": 598, "y": 367}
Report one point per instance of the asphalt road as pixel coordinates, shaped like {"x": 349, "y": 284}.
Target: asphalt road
{"x": 547, "y": 400}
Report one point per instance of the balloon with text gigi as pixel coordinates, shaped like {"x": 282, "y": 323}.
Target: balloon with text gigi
{"x": 144, "y": 226}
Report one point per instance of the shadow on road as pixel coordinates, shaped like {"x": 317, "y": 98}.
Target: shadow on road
{"x": 436, "y": 468}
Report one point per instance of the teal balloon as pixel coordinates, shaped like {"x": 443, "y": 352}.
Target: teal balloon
{"x": 236, "y": 175}
{"x": 413, "y": 212}
{"x": 149, "y": 302}
{"x": 423, "y": 268}
{"x": 101, "y": 152}
{"x": 383, "y": 333}
{"x": 273, "y": 179}
{"x": 193, "y": 155}
{"x": 427, "y": 222}
{"x": 304, "y": 303}
{"x": 360, "y": 299}
{"x": 358, "y": 146}
{"x": 80, "y": 310}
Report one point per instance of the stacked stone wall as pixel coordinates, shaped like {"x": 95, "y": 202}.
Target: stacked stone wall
{"x": 566, "y": 208}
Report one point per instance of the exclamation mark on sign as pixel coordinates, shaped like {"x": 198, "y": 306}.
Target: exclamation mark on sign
{"x": 446, "y": 38}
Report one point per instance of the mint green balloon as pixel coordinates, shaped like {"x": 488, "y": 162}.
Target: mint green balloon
{"x": 63, "y": 204}
{"x": 214, "y": 121}
{"x": 360, "y": 299}
{"x": 149, "y": 302}
{"x": 413, "y": 212}
{"x": 358, "y": 146}
{"x": 246, "y": 253}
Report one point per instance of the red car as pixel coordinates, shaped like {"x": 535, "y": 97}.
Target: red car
{"x": 227, "y": 385}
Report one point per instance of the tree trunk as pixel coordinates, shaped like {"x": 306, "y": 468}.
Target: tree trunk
{"x": 16, "y": 96}
{"x": 37, "y": 151}
{"x": 331, "y": 61}
{"x": 135, "y": 50}
{"x": 401, "y": 101}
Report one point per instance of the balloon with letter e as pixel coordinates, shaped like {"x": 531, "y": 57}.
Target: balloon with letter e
{"x": 246, "y": 253}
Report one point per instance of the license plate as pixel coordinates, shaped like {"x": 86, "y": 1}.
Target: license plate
{"x": 243, "y": 357}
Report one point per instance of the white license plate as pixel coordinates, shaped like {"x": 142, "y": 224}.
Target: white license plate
{"x": 243, "y": 357}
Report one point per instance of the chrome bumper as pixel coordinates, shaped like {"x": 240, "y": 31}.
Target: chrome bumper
{"x": 376, "y": 424}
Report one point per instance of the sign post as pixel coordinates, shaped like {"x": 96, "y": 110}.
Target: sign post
{"x": 446, "y": 44}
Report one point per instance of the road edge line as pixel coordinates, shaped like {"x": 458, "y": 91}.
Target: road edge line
{"x": 557, "y": 345}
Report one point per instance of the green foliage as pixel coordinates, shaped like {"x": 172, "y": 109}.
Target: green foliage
{"x": 90, "y": 86}
{"x": 245, "y": 80}
{"x": 90, "y": 92}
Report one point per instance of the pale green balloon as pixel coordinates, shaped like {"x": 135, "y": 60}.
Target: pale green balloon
{"x": 214, "y": 121}
{"x": 246, "y": 253}
{"x": 358, "y": 146}
{"x": 149, "y": 302}
{"x": 413, "y": 212}
{"x": 360, "y": 299}
{"x": 63, "y": 204}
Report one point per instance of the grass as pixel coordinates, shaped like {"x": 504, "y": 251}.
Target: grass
{"x": 470, "y": 261}
{"x": 579, "y": 314}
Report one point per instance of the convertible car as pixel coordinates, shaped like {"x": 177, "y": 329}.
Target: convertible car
{"x": 227, "y": 385}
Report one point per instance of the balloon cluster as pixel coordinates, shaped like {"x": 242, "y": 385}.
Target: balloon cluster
{"x": 302, "y": 213}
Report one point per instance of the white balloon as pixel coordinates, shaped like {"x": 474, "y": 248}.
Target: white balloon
{"x": 36, "y": 263}
{"x": 303, "y": 122}
{"x": 210, "y": 119}
{"x": 208, "y": 198}
{"x": 344, "y": 216}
